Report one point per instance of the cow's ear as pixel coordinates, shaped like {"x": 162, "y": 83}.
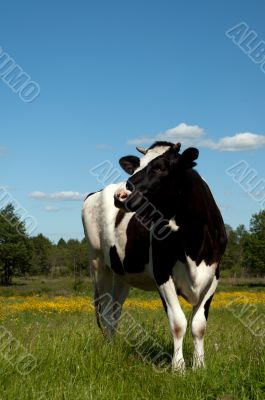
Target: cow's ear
{"x": 188, "y": 156}
{"x": 129, "y": 164}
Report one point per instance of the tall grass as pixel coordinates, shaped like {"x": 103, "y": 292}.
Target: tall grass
{"x": 75, "y": 362}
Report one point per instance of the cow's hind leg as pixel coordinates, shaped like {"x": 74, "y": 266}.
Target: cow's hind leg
{"x": 109, "y": 296}
{"x": 120, "y": 293}
{"x": 103, "y": 287}
{"x": 198, "y": 325}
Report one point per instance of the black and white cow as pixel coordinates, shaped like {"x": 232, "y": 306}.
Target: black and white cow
{"x": 160, "y": 230}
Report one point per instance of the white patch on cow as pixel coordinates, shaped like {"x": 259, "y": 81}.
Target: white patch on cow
{"x": 193, "y": 280}
{"x": 177, "y": 322}
{"x": 90, "y": 217}
{"x": 110, "y": 235}
{"x": 198, "y": 326}
{"x": 197, "y": 283}
{"x": 99, "y": 215}
{"x": 99, "y": 218}
{"x": 151, "y": 155}
{"x": 172, "y": 225}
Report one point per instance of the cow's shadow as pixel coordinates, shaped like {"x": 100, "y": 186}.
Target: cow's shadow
{"x": 157, "y": 353}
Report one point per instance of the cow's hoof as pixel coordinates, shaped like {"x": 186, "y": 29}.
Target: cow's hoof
{"x": 179, "y": 367}
{"x": 198, "y": 363}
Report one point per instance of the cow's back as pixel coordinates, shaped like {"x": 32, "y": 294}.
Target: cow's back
{"x": 90, "y": 219}
{"x": 117, "y": 238}
{"x": 103, "y": 223}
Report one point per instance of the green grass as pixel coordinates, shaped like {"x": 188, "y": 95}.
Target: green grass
{"x": 74, "y": 362}
{"x": 36, "y": 285}
{"x": 68, "y": 286}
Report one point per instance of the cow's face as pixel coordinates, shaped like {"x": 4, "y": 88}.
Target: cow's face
{"x": 156, "y": 181}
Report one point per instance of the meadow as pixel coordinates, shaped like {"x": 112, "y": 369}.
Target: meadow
{"x": 51, "y": 347}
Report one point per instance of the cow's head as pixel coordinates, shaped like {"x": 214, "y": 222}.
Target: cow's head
{"x": 156, "y": 178}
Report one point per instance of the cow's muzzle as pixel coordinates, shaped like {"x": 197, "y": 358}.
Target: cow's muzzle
{"x": 129, "y": 201}
{"x": 120, "y": 197}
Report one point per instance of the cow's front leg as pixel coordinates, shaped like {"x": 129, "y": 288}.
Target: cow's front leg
{"x": 177, "y": 321}
{"x": 198, "y": 325}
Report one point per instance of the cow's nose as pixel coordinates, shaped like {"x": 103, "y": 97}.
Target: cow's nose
{"x": 121, "y": 196}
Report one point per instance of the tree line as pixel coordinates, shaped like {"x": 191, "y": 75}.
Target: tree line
{"x": 245, "y": 252}
{"x": 22, "y": 255}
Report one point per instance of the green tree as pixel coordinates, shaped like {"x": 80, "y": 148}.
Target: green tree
{"x": 41, "y": 260}
{"x": 59, "y": 259}
{"x": 15, "y": 247}
{"x": 62, "y": 243}
{"x": 254, "y": 245}
{"x": 77, "y": 256}
{"x": 234, "y": 254}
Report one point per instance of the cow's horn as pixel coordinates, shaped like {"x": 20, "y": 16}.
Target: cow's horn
{"x": 141, "y": 150}
{"x": 177, "y": 147}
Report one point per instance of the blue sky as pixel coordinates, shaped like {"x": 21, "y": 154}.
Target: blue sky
{"x": 113, "y": 73}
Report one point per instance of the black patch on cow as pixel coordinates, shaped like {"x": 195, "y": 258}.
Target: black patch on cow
{"x": 115, "y": 261}
{"x": 217, "y": 272}
{"x": 163, "y": 302}
{"x": 90, "y": 194}
{"x": 203, "y": 233}
{"x": 161, "y": 143}
{"x": 165, "y": 255}
{"x": 119, "y": 218}
{"x": 97, "y": 308}
{"x": 177, "y": 191}
{"x": 137, "y": 247}
{"x": 171, "y": 186}
{"x": 164, "y": 258}
{"x": 207, "y": 306}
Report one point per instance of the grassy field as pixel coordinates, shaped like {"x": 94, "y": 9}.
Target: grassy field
{"x": 51, "y": 348}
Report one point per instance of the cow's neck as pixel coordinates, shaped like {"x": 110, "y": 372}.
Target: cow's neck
{"x": 183, "y": 197}
{"x": 192, "y": 196}
{"x": 199, "y": 220}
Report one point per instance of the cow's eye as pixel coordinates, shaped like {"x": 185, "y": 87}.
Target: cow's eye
{"x": 156, "y": 170}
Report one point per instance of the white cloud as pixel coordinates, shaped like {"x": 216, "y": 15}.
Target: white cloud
{"x": 182, "y": 132}
{"x": 193, "y": 135}
{"x": 186, "y": 134}
{"x": 38, "y": 195}
{"x": 51, "y": 208}
{"x": 238, "y": 142}
{"x": 58, "y": 196}
{"x": 7, "y": 187}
